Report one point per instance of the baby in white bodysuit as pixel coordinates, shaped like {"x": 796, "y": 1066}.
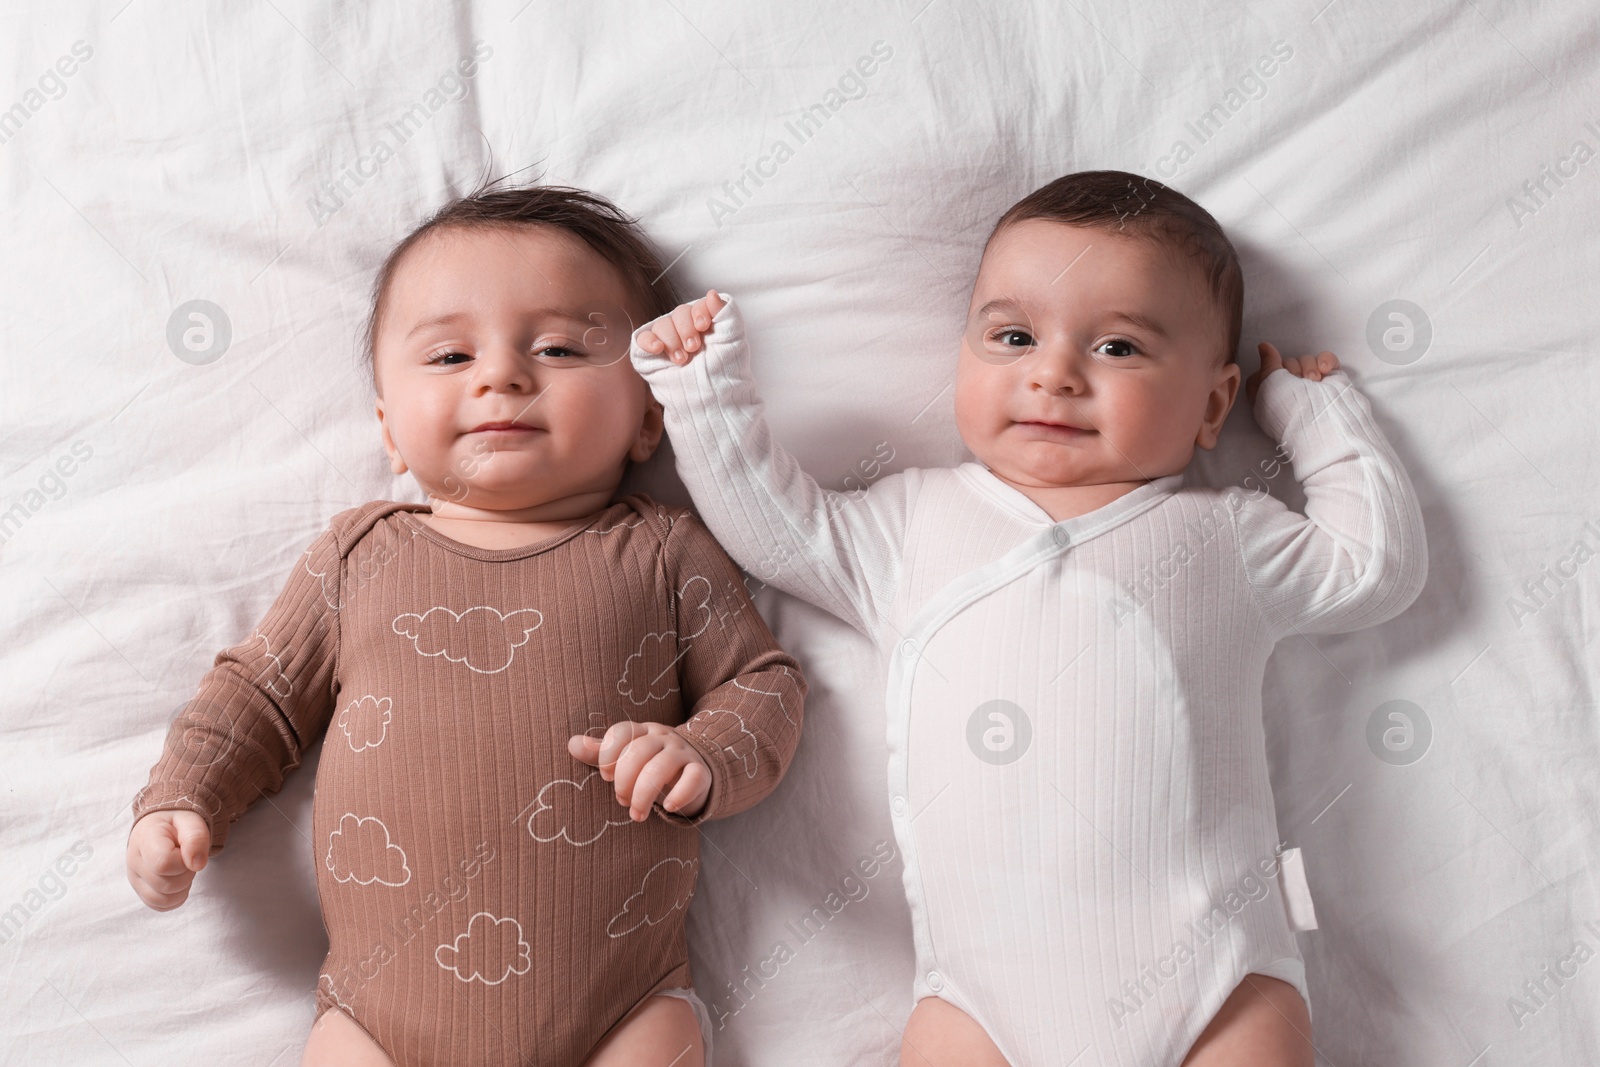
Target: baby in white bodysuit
{"x": 1076, "y": 639}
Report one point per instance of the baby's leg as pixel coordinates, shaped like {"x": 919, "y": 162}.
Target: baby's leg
{"x": 940, "y": 1034}
{"x": 337, "y": 1041}
{"x": 659, "y": 1032}
{"x": 1263, "y": 1023}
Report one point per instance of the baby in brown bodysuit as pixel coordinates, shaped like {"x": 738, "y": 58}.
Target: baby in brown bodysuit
{"x": 482, "y": 665}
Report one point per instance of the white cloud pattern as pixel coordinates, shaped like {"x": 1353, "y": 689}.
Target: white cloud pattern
{"x": 365, "y": 722}
{"x": 482, "y": 638}
{"x": 490, "y": 950}
{"x": 641, "y": 680}
{"x": 744, "y": 747}
{"x": 666, "y": 888}
{"x": 272, "y": 676}
{"x": 360, "y": 851}
{"x": 563, "y": 811}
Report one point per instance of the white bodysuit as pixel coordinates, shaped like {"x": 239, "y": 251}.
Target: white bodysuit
{"x": 1077, "y": 773}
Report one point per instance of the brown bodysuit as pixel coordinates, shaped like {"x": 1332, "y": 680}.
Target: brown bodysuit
{"x": 487, "y": 899}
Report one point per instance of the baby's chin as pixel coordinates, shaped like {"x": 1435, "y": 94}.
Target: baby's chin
{"x": 1046, "y": 466}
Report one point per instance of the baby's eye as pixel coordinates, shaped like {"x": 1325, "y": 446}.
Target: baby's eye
{"x": 557, "y": 354}
{"x": 1126, "y": 348}
{"x": 1013, "y": 338}
{"x": 442, "y": 357}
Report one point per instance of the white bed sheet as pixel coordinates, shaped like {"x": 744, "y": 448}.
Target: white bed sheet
{"x": 183, "y": 158}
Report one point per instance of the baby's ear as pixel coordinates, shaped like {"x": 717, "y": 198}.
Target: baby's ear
{"x": 1224, "y": 390}
{"x": 397, "y": 462}
{"x": 650, "y": 430}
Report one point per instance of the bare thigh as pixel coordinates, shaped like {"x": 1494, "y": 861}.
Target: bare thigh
{"x": 660, "y": 1032}
{"x": 1263, "y": 1023}
{"x": 939, "y": 1034}
{"x": 338, "y": 1041}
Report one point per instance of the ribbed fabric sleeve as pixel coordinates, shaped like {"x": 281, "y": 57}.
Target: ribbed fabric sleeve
{"x": 839, "y": 551}
{"x": 262, "y": 704}
{"x": 747, "y": 694}
{"x": 1357, "y": 557}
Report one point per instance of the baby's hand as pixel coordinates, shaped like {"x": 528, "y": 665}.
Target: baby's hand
{"x": 646, "y": 759}
{"x": 165, "y": 850}
{"x": 678, "y": 334}
{"x": 1310, "y": 367}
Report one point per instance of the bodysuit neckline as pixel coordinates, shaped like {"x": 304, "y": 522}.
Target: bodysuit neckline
{"x": 1023, "y": 506}
{"x": 496, "y": 555}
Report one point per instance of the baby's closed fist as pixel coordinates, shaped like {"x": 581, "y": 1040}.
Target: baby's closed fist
{"x": 1312, "y": 368}
{"x": 645, "y": 760}
{"x": 678, "y": 334}
{"x": 165, "y": 851}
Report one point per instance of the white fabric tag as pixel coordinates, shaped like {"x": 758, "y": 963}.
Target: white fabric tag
{"x": 1296, "y": 894}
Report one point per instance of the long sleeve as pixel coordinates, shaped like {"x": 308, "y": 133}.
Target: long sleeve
{"x": 747, "y": 694}
{"x": 1357, "y": 557}
{"x": 262, "y": 704}
{"x": 839, "y": 551}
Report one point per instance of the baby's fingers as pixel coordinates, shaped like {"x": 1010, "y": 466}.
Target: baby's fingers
{"x": 688, "y": 796}
{"x": 666, "y": 333}
{"x": 641, "y": 751}
{"x": 655, "y": 778}
{"x": 613, "y": 746}
{"x": 1311, "y": 367}
{"x": 683, "y": 317}
{"x": 712, "y": 303}
{"x": 161, "y": 880}
{"x": 705, "y": 309}
{"x": 584, "y": 749}
{"x": 1271, "y": 360}
{"x": 164, "y": 885}
{"x": 651, "y": 343}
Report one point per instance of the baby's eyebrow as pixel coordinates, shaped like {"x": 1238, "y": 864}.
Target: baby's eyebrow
{"x": 443, "y": 320}
{"x": 1004, "y": 303}
{"x": 1131, "y": 317}
{"x": 454, "y": 317}
{"x": 1142, "y": 321}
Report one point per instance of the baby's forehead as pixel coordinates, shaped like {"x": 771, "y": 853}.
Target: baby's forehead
{"x": 1043, "y": 262}
{"x": 523, "y": 263}
{"x": 485, "y": 248}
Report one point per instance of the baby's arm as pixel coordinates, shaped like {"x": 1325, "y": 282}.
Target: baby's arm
{"x": 747, "y": 694}
{"x": 839, "y": 551}
{"x": 260, "y": 706}
{"x": 1357, "y": 557}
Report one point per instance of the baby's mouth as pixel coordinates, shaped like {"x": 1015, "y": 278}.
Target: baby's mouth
{"x": 1065, "y": 431}
{"x": 506, "y": 429}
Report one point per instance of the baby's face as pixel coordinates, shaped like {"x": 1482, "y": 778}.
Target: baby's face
{"x": 1089, "y": 358}
{"x": 503, "y": 371}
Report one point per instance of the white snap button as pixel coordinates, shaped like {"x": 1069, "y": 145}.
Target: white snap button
{"x": 935, "y": 981}
{"x": 899, "y": 805}
{"x": 1060, "y": 536}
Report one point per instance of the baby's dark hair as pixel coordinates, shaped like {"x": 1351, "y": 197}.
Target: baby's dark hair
{"x": 1131, "y": 204}
{"x": 606, "y": 228}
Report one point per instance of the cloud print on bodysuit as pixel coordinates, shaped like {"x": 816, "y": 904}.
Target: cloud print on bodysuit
{"x": 641, "y": 680}
{"x": 483, "y": 638}
{"x": 743, "y": 747}
{"x": 490, "y": 951}
{"x": 667, "y": 888}
{"x": 565, "y": 810}
{"x": 360, "y": 851}
{"x": 364, "y": 722}
{"x": 272, "y": 677}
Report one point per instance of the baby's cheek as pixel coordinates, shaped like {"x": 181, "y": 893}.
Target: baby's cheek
{"x": 979, "y": 409}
